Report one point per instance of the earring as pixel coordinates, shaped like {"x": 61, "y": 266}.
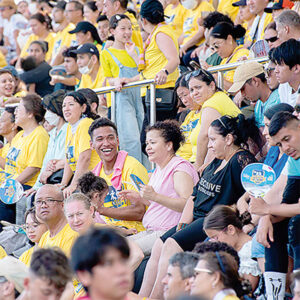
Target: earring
{"x": 213, "y": 285}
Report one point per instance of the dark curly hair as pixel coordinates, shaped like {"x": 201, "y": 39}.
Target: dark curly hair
{"x": 89, "y": 183}
{"x": 209, "y": 246}
{"x": 102, "y": 122}
{"x": 170, "y": 131}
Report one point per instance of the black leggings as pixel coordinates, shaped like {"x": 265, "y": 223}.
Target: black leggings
{"x": 187, "y": 237}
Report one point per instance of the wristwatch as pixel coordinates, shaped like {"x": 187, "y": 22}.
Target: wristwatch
{"x": 166, "y": 71}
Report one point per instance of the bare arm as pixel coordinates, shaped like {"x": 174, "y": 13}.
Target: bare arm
{"x": 187, "y": 214}
{"x": 208, "y": 116}
{"x": 169, "y": 50}
{"x": 133, "y": 212}
{"x": 194, "y": 40}
{"x": 183, "y": 185}
{"x": 27, "y": 174}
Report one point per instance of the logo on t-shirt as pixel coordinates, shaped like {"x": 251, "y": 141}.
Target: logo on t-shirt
{"x": 71, "y": 157}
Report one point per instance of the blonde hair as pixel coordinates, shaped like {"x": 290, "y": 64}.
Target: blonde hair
{"x": 79, "y": 197}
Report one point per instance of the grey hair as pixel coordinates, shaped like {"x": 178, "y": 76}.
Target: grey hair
{"x": 186, "y": 261}
{"x": 289, "y": 18}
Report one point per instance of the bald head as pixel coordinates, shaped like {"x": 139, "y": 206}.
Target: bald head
{"x": 54, "y": 189}
{"x": 49, "y": 204}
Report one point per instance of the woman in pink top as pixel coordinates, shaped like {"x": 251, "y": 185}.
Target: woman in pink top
{"x": 169, "y": 187}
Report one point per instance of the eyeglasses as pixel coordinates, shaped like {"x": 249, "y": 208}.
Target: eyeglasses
{"x": 31, "y": 227}
{"x": 48, "y": 202}
{"x": 3, "y": 279}
{"x": 272, "y": 39}
{"x": 297, "y": 108}
{"x": 268, "y": 71}
{"x": 197, "y": 73}
{"x": 197, "y": 271}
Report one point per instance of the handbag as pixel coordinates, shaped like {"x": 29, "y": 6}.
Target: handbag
{"x": 165, "y": 99}
{"x": 56, "y": 177}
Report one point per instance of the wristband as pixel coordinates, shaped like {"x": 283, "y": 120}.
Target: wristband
{"x": 181, "y": 226}
{"x": 166, "y": 71}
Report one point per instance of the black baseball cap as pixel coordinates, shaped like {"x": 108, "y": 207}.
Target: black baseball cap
{"x": 240, "y": 3}
{"x": 85, "y": 27}
{"x": 87, "y": 48}
{"x": 279, "y": 4}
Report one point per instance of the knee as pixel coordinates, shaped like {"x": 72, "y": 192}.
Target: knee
{"x": 171, "y": 246}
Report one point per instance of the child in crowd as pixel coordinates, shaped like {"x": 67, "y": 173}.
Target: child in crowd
{"x": 224, "y": 224}
{"x": 120, "y": 63}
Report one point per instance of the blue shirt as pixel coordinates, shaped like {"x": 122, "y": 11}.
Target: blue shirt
{"x": 293, "y": 167}
{"x": 55, "y": 149}
{"x": 261, "y": 107}
{"x": 273, "y": 161}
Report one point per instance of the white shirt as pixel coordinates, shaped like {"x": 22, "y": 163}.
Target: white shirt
{"x": 286, "y": 94}
{"x": 16, "y": 22}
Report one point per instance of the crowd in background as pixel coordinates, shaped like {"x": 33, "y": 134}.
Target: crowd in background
{"x": 134, "y": 210}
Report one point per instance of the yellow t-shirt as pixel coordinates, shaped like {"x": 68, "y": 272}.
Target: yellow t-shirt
{"x": 225, "y": 7}
{"x": 64, "y": 38}
{"x": 131, "y": 166}
{"x": 3, "y": 62}
{"x": 238, "y": 52}
{"x": 3, "y": 154}
{"x": 175, "y": 18}
{"x": 28, "y": 151}
{"x": 2, "y": 253}
{"x": 78, "y": 143}
{"x": 25, "y": 258}
{"x": 63, "y": 240}
{"x": 136, "y": 31}
{"x": 50, "y": 39}
{"x": 220, "y": 102}
{"x": 189, "y": 123}
{"x": 156, "y": 61}
{"x": 86, "y": 80}
{"x": 109, "y": 66}
{"x": 190, "y": 25}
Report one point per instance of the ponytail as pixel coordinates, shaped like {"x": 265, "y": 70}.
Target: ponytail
{"x": 241, "y": 129}
{"x": 221, "y": 216}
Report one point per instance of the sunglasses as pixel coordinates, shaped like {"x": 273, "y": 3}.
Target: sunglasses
{"x": 197, "y": 73}
{"x": 269, "y": 70}
{"x": 297, "y": 108}
{"x": 272, "y": 39}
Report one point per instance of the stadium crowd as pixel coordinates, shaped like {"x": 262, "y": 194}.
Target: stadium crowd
{"x": 105, "y": 210}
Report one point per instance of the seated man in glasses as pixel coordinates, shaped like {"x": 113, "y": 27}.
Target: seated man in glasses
{"x": 49, "y": 209}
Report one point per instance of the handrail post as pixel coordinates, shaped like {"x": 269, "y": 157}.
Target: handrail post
{"x": 113, "y": 106}
{"x": 220, "y": 80}
{"x": 152, "y": 104}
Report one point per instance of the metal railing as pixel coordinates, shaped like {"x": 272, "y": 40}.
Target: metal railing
{"x": 150, "y": 82}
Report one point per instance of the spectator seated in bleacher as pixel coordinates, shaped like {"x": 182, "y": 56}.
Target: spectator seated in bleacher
{"x": 54, "y": 159}
{"x": 224, "y": 224}
{"x": 250, "y": 79}
{"x": 80, "y": 158}
{"x": 288, "y": 25}
{"x": 169, "y": 187}
{"x": 227, "y": 135}
{"x": 34, "y": 230}
{"x": 117, "y": 168}
{"x": 39, "y": 76}
{"x": 90, "y": 12}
